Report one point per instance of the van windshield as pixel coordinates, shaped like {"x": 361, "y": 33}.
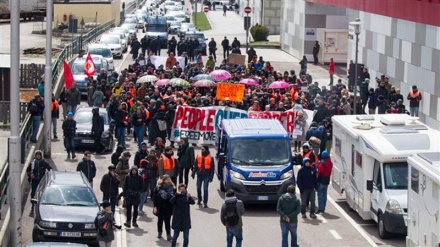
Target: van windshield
{"x": 396, "y": 175}
{"x": 258, "y": 151}
{"x": 101, "y": 51}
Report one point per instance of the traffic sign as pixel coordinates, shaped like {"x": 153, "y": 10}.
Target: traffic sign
{"x": 206, "y": 9}
{"x": 247, "y": 10}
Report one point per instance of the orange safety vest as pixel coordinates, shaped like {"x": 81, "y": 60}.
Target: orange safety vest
{"x": 147, "y": 114}
{"x": 417, "y": 94}
{"x": 167, "y": 165}
{"x": 130, "y": 102}
{"x": 132, "y": 91}
{"x": 55, "y": 105}
{"x": 207, "y": 162}
{"x": 307, "y": 155}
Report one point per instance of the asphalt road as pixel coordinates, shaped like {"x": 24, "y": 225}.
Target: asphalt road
{"x": 339, "y": 227}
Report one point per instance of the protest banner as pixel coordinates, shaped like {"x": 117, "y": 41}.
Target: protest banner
{"x": 160, "y": 60}
{"x": 237, "y": 59}
{"x": 234, "y": 92}
{"x": 199, "y": 124}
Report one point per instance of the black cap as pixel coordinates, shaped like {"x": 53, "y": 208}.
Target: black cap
{"x": 111, "y": 167}
{"x": 105, "y": 204}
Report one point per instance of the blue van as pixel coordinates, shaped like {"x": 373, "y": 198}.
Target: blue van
{"x": 254, "y": 159}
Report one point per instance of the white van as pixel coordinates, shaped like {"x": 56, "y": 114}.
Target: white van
{"x": 103, "y": 50}
{"x": 424, "y": 200}
{"x": 369, "y": 153}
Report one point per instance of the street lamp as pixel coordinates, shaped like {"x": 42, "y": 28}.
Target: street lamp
{"x": 357, "y": 30}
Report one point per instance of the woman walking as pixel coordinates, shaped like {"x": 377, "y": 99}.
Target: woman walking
{"x": 163, "y": 209}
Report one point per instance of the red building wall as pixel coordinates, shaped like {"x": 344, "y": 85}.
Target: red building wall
{"x": 420, "y": 11}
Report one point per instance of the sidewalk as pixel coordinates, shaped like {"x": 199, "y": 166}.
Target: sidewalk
{"x": 232, "y": 26}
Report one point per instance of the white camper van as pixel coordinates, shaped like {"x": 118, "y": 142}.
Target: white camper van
{"x": 369, "y": 153}
{"x": 423, "y": 200}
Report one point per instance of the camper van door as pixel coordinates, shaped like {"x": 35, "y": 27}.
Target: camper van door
{"x": 377, "y": 187}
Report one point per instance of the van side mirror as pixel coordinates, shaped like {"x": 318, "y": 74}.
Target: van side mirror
{"x": 370, "y": 185}
{"x": 222, "y": 159}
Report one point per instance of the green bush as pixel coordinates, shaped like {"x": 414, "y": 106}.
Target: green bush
{"x": 259, "y": 32}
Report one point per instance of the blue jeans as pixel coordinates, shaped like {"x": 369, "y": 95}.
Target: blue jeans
{"x": 234, "y": 231}
{"x": 414, "y": 111}
{"x": 54, "y": 127}
{"x": 120, "y": 134}
{"x": 143, "y": 198}
{"x": 139, "y": 133}
{"x": 36, "y": 120}
{"x": 322, "y": 196}
{"x": 69, "y": 144}
{"x": 205, "y": 181}
{"x": 185, "y": 237}
{"x": 285, "y": 229}
{"x": 71, "y": 108}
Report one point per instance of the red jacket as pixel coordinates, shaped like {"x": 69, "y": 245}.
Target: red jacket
{"x": 324, "y": 171}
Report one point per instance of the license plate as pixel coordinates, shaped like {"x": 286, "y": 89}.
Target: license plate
{"x": 262, "y": 198}
{"x": 88, "y": 141}
{"x": 70, "y": 234}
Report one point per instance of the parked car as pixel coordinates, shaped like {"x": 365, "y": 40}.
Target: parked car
{"x": 174, "y": 27}
{"x": 186, "y": 27}
{"x": 132, "y": 29}
{"x": 200, "y": 36}
{"x": 169, "y": 18}
{"x": 168, "y": 4}
{"x": 103, "y": 50}
{"x": 66, "y": 208}
{"x": 126, "y": 32}
{"x": 115, "y": 43}
{"x": 83, "y": 136}
{"x": 78, "y": 71}
{"x": 180, "y": 16}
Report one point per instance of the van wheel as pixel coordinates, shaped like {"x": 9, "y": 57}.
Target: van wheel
{"x": 383, "y": 233}
{"x": 35, "y": 237}
{"x": 222, "y": 186}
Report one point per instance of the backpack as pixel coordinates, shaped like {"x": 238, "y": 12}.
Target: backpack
{"x": 231, "y": 215}
{"x": 162, "y": 124}
{"x": 33, "y": 108}
{"x": 98, "y": 101}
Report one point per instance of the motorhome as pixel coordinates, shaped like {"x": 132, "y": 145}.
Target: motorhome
{"x": 370, "y": 153}
{"x": 423, "y": 200}
{"x": 254, "y": 158}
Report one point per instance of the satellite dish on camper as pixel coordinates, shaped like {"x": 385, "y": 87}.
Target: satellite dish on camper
{"x": 363, "y": 125}
{"x": 413, "y": 120}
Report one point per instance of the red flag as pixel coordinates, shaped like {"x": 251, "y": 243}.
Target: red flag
{"x": 89, "y": 66}
{"x": 68, "y": 76}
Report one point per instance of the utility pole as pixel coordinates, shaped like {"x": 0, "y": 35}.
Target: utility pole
{"x": 357, "y": 30}
{"x": 48, "y": 82}
{"x": 195, "y": 13}
{"x": 14, "y": 149}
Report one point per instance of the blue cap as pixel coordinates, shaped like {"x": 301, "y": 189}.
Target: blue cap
{"x": 70, "y": 113}
{"x": 324, "y": 155}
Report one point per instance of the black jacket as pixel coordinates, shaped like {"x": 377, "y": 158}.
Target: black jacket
{"x": 181, "y": 211}
{"x": 133, "y": 185}
{"x": 139, "y": 156}
{"x": 38, "y": 168}
{"x": 35, "y": 107}
{"x": 109, "y": 185}
{"x": 97, "y": 124}
{"x": 162, "y": 203}
{"x": 69, "y": 128}
{"x": 154, "y": 126}
{"x": 88, "y": 168}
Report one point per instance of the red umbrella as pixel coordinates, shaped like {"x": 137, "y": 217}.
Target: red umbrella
{"x": 203, "y": 83}
{"x": 249, "y": 82}
{"x": 279, "y": 84}
{"x": 162, "y": 82}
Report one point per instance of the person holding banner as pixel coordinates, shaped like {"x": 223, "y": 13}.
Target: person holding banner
{"x": 204, "y": 168}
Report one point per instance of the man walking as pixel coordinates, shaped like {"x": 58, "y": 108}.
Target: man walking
{"x": 414, "y": 98}
{"x": 36, "y": 109}
{"x": 224, "y": 9}
{"x": 69, "y": 129}
{"x": 186, "y": 159}
{"x": 225, "y": 45}
{"x": 35, "y": 172}
{"x": 97, "y": 129}
{"x": 212, "y": 45}
{"x": 133, "y": 185}
{"x": 288, "y": 208}
{"x": 87, "y": 166}
{"x": 109, "y": 186}
{"x": 73, "y": 98}
{"x": 181, "y": 215}
{"x": 306, "y": 182}
{"x": 231, "y": 214}
{"x": 325, "y": 167}
{"x": 204, "y": 167}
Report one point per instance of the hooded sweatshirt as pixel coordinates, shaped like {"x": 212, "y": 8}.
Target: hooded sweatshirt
{"x": 288, "y": 205}
{"x": 185, "y": 154}
{"x": 240, "y": 210}
{"x": 133, "y": 185}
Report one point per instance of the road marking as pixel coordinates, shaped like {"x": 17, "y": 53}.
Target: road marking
{"x": 335, "y": 234}
{"x": 321, "y": 218}
{"x": 352, "y": 222}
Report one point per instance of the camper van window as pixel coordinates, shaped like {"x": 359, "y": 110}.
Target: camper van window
{"x": 338, "y": 147}
{"x": 396, "y": 175}
{"x": 415, "y": 180}
{"x": 257, "y": 151}
{"x": 376, "y": 174}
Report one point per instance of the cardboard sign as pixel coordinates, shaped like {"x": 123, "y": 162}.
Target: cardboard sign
{"x": 234, "y": 92}
{"x": 237, "y": 59}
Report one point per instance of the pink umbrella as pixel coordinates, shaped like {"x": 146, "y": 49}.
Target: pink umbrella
{"x": 279, "y": 84}
{"x": 162, "y": 82}
{"x": 249, "y": 82}
{"x": 204, "y": 83}
{"x": 220, "y": 75}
